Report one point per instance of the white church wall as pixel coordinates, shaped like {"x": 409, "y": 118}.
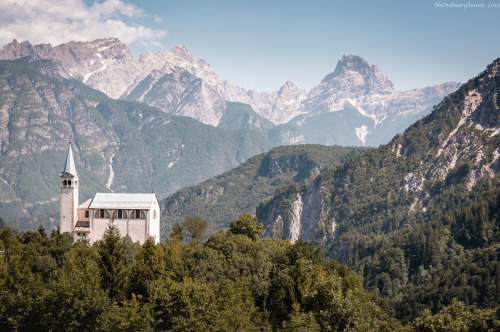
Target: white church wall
{"x": 94, "y": 215}
{"x": 121, "y": 224}
{"x": 137, "y": 230}
{"x": 154, "y": 228}
{"x": 99, "y": 226}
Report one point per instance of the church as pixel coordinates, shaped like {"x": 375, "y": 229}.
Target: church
{"x": 135, "y": 215}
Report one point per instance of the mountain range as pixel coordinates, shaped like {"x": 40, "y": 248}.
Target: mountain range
{"x": 119, "y": 145}
{"x": 354, "y": 105}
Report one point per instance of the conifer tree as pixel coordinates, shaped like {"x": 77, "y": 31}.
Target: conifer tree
{"x": 112, "y": 262}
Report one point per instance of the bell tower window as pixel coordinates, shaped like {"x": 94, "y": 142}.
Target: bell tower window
{"x": 69, "y": 182}
{"x": 65, "y": 183}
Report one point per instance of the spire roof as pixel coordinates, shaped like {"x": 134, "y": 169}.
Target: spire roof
{"x": 69, "y": 167}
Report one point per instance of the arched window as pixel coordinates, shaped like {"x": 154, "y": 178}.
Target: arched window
{"x": 101, "y": 213}
{"x": 154, "y": 214}
{"x": 69, "y": 182}
{"x": 65, "y": 183}
{"x": 120, "y": 214}
{"x": 137, "y": 214}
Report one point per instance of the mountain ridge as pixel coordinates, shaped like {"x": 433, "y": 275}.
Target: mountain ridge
{"x": 223, "y": 198}
{"x": 417, "y": 216}
{"x": 440, "y": 151}
{"x": 163, "y": 80}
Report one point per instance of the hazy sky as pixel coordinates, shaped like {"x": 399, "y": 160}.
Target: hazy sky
{"x": 261, "y": 44}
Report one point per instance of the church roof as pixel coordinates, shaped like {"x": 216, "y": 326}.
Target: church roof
{"x": 123, "y": 201}
{"x": 85, "y": 205}
{"x": 69, "y": 167}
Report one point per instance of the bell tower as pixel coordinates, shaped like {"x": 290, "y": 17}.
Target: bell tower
{"x": 69, "y": 195}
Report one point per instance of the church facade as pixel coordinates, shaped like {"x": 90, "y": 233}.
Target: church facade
{"x": 135, "y": 215}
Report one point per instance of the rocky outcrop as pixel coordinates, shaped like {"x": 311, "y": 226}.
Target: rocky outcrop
{"x": 163, "y": 80}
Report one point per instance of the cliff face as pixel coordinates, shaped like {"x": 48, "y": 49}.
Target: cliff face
{"x": 456, "y": 146}
{"x": 119, "y": 145}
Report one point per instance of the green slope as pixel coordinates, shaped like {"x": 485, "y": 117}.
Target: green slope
{"x": 239, "y": 115}
{"x": 226, "y": 196}
{"x": 333, "y": 127}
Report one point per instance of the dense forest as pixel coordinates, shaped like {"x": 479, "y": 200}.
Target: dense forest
{"x": 454, "y": 254}
{"x": 233, "y": 281}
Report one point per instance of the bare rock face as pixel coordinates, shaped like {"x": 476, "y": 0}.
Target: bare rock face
{"x": 354, "y": 81}
{"x": 282, "y": 105}
{"x": 371, "y": 109}
{"x": 104, "y": 64}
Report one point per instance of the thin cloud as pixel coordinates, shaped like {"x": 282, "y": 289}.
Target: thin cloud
{"x": 56, "y": 22}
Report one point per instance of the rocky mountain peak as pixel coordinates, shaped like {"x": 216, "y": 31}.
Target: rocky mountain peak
{"x": 288, "y": 87}
{"x": 353, "y": 63}
{"x": 181, "y": 51}
{"x": 109, "y": 66}
{"x": 357, "y": 70}
{"x": 15, "y": 50}
{"x": 180, "y": 56}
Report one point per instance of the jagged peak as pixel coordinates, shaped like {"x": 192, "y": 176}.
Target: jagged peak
{"x": 150, "y": 56}
{"x": 371, "y": 74}
{"x": 288, "y": 86}
{"x": 181, "y": 51}
{"x": 14, "y": 47}
{"x": 352, "y": 63}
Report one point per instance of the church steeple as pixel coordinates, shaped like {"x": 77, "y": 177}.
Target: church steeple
{"x": 69, "y": 194}
{"x": 69, "y": 167}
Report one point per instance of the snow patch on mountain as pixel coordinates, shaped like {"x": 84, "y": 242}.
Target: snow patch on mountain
{"x": 361, "y": 133}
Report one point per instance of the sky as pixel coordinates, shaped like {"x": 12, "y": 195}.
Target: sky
{"x": 262, "y": 44}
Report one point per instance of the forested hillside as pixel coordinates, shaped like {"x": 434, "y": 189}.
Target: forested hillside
{"x": 240, "y": 190}
{"x": 418, "y": 217}
{"x": 229, "y": 283}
